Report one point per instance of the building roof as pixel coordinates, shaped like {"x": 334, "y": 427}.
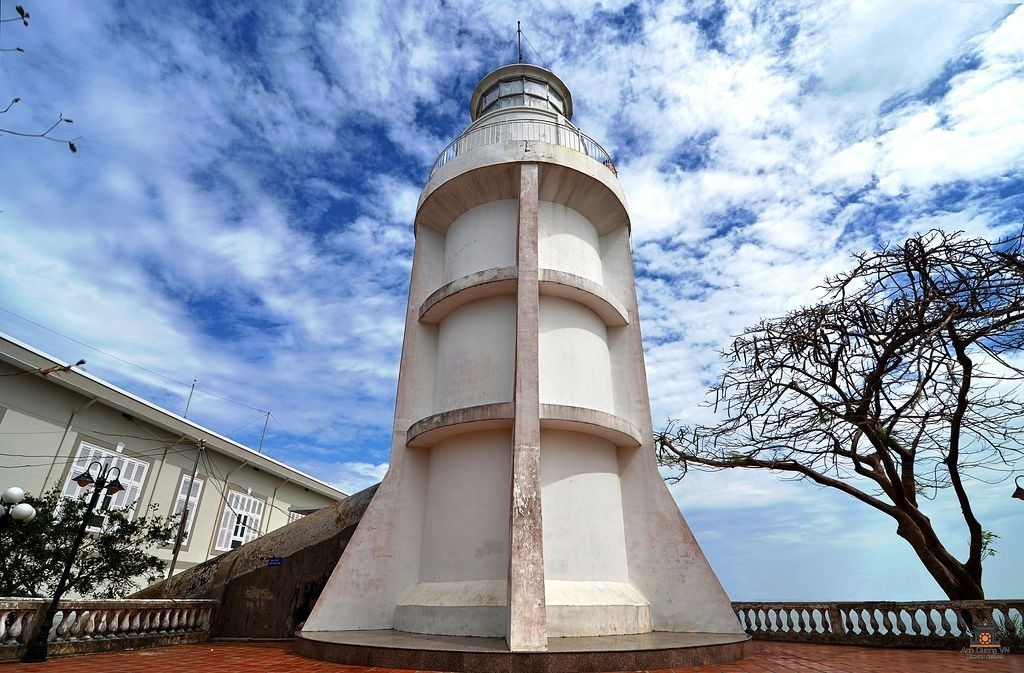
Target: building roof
{"x": 26, "y": 357}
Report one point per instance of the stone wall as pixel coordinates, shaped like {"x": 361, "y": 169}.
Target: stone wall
{"x": 267, "y": 587}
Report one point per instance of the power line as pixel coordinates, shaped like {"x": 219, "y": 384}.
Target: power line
{"x": 224, "y": 497}
{"x": 128, "y": 362}
{"x": 151, "y": 453}
{"x": 539, "y": 57}
{"x": 216, "y": 473}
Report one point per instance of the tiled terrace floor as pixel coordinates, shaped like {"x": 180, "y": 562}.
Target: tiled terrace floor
{"x": 279, "y": 658}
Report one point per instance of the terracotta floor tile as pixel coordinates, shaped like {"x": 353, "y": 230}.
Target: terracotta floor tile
{"x": 281, "y": 658}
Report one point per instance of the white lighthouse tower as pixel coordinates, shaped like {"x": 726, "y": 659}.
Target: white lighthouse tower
{"x": 523, "y": 500}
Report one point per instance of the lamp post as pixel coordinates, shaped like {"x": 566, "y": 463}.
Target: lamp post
{"x": 104, "y": 480}
{"x": 13, "y": 509}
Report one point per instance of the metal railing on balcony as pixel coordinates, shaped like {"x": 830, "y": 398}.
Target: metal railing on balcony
{"x": 524, "y": 129}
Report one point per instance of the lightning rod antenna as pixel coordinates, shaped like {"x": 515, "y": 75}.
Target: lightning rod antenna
{"x": 519, "y": 39}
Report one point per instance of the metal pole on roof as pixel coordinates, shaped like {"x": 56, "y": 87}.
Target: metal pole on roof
{"x": 200, "y": 445}
{"x": 187, "y": 403}
{"x": 265, "y": 421}
{"x": 519, "y": 39}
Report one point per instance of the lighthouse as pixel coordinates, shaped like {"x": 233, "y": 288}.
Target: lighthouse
{"x": 522, "y": 504}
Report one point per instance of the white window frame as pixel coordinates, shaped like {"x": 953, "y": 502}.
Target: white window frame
{"x": 294, "y": 516}
{"x": 240, "y": 521}
{"x": 194, "y": 492}
{"x": 132, "y": 475}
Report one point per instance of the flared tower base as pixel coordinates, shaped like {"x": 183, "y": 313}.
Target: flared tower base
{"x": 646, "y": 651}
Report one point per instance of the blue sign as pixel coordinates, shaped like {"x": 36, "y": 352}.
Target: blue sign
{"x": 275, "y": 561}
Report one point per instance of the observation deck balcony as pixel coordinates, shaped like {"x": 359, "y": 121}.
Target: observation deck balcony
{"x": 531, "y": 130}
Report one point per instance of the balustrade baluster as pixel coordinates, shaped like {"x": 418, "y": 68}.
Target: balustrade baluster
{"x": 922, "y": 622}
{"x": 114, "y": 624}
{"x": 902, "y": 622}
{"x": 1010, "y": 624}
{"x": 6, "y": 616}
{"x": 848, "y": 620}
{"x": 17, "y": 625}
{"x": 835, "y": 621}
{"x": 960, "y": 624}
{"x": 59, "y": 620}
{"x": 871, "y": 621}
{"x": 103, "y": 624}
{"x": 889, "y": 621}
{"x": 67, "y": 622}
{"x": 874, "y": 624}
{"x": 76, "y": 631}
{"x": 88, "y": 624}
{"x": 863, "y": 625}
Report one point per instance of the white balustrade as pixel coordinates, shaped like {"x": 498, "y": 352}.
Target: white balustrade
{"x": 81, "y": 622}
{"x": 908, "y": 624}
{"x": 524, "y": 129}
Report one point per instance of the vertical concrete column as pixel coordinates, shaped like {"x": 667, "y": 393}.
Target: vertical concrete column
{"x": 527, "y": 628}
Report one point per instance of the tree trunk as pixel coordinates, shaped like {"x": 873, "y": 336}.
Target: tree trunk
{"x": 953, "y": 577}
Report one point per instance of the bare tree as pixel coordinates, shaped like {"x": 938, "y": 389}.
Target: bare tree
{"x": 904, "y": 380}
{"x": 23, "y": 18}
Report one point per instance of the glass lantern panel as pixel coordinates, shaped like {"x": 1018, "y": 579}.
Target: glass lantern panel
{"x": 538, "y": 89}
{"x": 513, "y": 87}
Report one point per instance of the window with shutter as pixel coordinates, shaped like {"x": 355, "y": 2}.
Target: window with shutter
{"x": 133, "y": 477}
{"x": 191, "y": 490}
{"x": 240, "y": 522}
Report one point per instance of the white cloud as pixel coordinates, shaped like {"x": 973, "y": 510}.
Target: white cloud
{"x": 240, "y": 208}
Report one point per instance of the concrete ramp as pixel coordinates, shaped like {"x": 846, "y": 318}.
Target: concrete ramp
{"x": 260, "y": 600}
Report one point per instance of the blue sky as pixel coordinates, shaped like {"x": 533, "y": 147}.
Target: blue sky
{"x": 240, "y": 209}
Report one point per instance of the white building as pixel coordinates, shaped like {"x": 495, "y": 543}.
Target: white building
{"x": 52, "y": 426}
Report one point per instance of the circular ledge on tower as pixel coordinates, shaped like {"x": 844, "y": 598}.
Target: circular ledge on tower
{"x": 490, "y": 172}
{"x": 584, "y": 291}
{"x": 461, "y": 291}
{"x": 432, "y": 429}
{"x": 610, "y": 427}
